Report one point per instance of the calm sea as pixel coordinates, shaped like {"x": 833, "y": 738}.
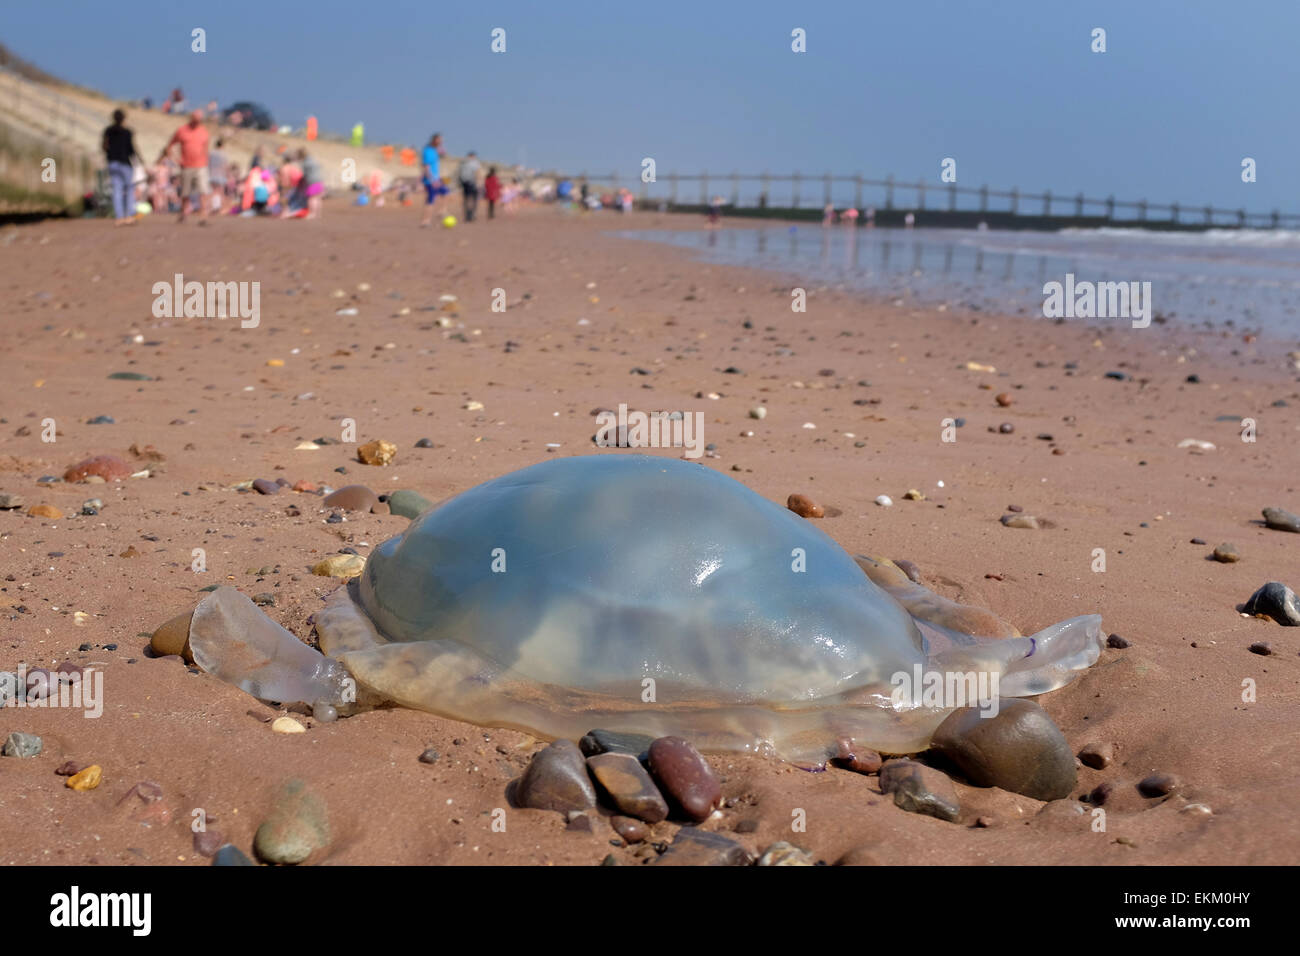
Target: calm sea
{"x": 1244, "y": 279}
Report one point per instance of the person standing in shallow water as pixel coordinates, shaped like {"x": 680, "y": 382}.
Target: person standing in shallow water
{"x": 119, "y": 150}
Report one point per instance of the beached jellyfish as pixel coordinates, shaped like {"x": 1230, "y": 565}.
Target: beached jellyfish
{"x": 640, "y": 594}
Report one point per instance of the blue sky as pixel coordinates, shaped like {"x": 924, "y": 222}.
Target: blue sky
{"x": 1009, "y": 88}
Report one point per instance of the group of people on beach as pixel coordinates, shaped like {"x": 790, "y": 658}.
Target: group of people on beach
{"x": 436, "y": 189}
{"x": 204, "y": 180}
{"x": 193, "y": 175}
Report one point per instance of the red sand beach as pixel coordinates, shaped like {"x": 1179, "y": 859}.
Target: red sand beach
{"x": 1111, "y": 476}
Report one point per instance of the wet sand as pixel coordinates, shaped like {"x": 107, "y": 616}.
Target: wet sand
{"x": 77, "y": 295}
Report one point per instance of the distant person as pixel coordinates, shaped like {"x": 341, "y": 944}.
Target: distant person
{"x": 564, "y": 190}
{"x": 468, "y": 175}
{"x": 431, "y": 160}
{"x": 193, "y": 141}
{"x": 715, "y": 211}
{"x": 218, "y": 174}
{"x": 313, "y": 183}
{"x": 119, "y": 150}
{"x": 492, "y": 191}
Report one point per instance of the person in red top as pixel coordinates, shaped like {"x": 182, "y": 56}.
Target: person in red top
{"x": 193, "y": 141}
{"x": 492, "y": 191}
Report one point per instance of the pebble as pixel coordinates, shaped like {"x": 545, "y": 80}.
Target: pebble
{"x": 1226, "y": 553}
{"x": 102, "y": 420}
{"x": 920, "y": 789}
{"x": 296, "y": 827}
{"x": 1003, "y": 399}
{"x": 22, "y": 745}
{"x": 1019, "y": 749}
{"x": 858, "y": 759}
{"x": 10, "y": 501}
{"x": 805, "y": 507}
{"x": 208, "y": 842}
{"x": 1006, "y": 428}
{"x": 105, "y": 467}
{"x": 173, "y": 637}
{"x": 377, "y": 452}
{"x": 629, "y": 788}
{"x": 302, "y": 485}
{"x": 884, "y": 501}
{"x": 407, "y": 504}
{"x": 693, "y": 847}
{"x": 339, "y": 566}
{"x": 264, "y": 486}
{"x": 1262, "y": 648}
{"x": 1117, "y": 642}
{"x": 45, "y": 511}
{"x": 786, "y": 854}
{"x": 556, "y": 779}
{"x": 1199, "y": 541}
{"x": 1021, "y": 521}
{"x": 579, "y": 821}
{"x": 424, "y": 443}
{"x": 87, "y": 779}
{"x": 684, "y": 777}
{"x": 1280, "y": 520}
{"x": 352, "y": 498}
{"x": 68, "y": 768}
{"x": 913, "y": 495}
{"x": 429, "y": 755}
{"x": 231, "y": 855}
{"x": 1277, "y": 601}
{"x": 1098, "y": 756}
{"x": 609, "y": 741}
{"x": 632, "y": 831}
{"x": 1158, "y": 785}
{"x": 1062, "y": 814}
{"x": 1118, "y": 376}
{"x": 131, "y": 377}
{"x": 287, "y": 725}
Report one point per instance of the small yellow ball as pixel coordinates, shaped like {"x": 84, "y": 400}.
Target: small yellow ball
{"x": 448, "y": 222}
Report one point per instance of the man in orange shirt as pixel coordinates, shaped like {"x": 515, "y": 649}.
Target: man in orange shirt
{"x": 193, "y": 141}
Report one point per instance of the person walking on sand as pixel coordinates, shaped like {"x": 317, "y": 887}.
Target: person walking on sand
{"x": 492, "y": 191}
{"x": 119, "y": 150}
{"x": 431, "y": 160}
{"x": 468, "y": 175}
{"x": 193, "y": 141}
